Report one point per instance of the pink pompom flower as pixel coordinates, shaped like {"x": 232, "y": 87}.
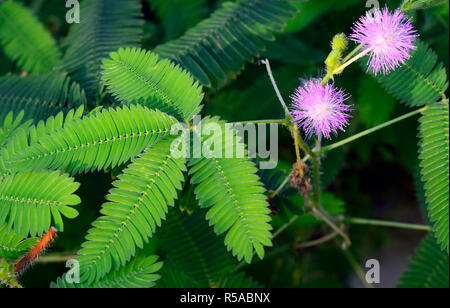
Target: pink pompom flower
{"x": 387, "y": 37}
{"x": 319, "y": 109}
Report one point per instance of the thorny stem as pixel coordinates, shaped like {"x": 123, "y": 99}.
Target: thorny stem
{"x": 382, "y": 223}
{"x": 371, "y": 130}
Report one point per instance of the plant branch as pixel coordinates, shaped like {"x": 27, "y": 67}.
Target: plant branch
{"x": 317, "y": 242}
{"x": 55, "y": 258}
{"x": 382, "y": 223}
{"x": 274, "y": 84}
{"x": 371, "y": 130}
{"x": 329, "y": 222}
{"x": 316, "y": 174}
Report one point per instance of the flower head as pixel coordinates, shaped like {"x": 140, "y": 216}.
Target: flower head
{"x": 387, "y": 37}
{"x": 319, "y": 109}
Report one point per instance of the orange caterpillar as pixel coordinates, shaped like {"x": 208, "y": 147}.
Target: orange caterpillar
{"x": 40, "y": 248}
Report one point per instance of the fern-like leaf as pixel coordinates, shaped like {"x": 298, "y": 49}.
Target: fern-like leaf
{"x": 137, "y": 204}
{"x": 25, "y": 39}
{"x": 39, "y": 96}
{"x": 12, "y": 125}
{"x": 12, "y": 246}
{"x": 106, "y": 25}
{"x": 207, "y": 260}
{"x": 135, "y": 74}
{"x": 434, "y": 157}
{"x": 429, "y": 268}
{"x": 233, "y": 191}
{"x": 217, "y": 48}
{"x": 138, "y": 273}
{"x": 421, "y": 81}
{"x": 29, "y": 201}
{"x": 98, "y": 141}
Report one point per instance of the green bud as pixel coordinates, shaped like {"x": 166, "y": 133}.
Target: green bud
{"x": 333, "y": 59}
{"x": 340, "y": 42}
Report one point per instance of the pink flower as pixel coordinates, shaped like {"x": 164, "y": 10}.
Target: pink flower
{"x": 319, "y": 109}
{"x": 387, "y": 37}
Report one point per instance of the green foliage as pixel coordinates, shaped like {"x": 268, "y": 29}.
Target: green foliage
{"x": 11, "y": 125}
{"x": 135, "y": 74}
{"x": 207, "y": 261}
{"x": 434, "y": 157}
{"x": 25, "y": 39}
{"x": 39, "y": 96}
{"x": 429, "y": 268}
{"x": 138, "y": 273}
{"x": 98, "y": 141}
{"x": 12, "y": 246}
{"x": 136, "y": 206}
{"x": 178, "y": 15}
{"x": 231, "y": 188}
{"x": 421, "y": 81}
{"x": 106, "y": 25}
{"x": 30, "y": 201}
{"x": 217, "y": 49}
{"x": 7, "y": 276}
{"x": 409, "y": 5}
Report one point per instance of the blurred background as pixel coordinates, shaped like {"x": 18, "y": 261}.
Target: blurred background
{"x": 375, "y": 177}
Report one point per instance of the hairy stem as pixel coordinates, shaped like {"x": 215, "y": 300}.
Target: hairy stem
{"x": 371, "y": 130}
{"x": 390, "y": 224}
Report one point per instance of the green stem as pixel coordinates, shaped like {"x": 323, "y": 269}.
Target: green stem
{"x": 56, "y": 258}
{"x": 341, "y": 68}
{"x": 371, "y": 130}
{"x": 274, "y": 84}
{"x": 324, "y": 218}
{"x": 316, "y": 175}
{"x": 357, "y": 268}
{"x": 277, "y": 191}
{"x": 317, "y": 242}
{"x": 358, "y": 48}
{"x": 390, "y": 224}
{"x": 285, "y": 226}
